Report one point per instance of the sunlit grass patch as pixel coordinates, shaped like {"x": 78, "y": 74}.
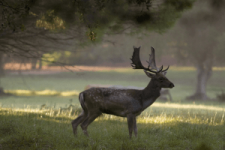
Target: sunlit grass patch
{"x": 47, "y": 93}
{"x": 176, "y": 68}
{"x": 70, "y": 93}
{"x": 20, "y": 92}
{"x": 42, "y": 93}
{"x": 16, "y": 111}
{"x": 218, "y": 68}
{"x": 172, "y": 120}
{"x": 188, "y": 106}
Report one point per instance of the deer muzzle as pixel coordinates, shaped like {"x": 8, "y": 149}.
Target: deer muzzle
{"x": 171, "y": 85}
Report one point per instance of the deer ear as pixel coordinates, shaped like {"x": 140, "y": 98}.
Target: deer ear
{"x": 149, "y": 74}
{"x": 164, "y": 73}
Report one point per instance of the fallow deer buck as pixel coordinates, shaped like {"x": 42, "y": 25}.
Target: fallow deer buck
{"x": 123, "y": 102}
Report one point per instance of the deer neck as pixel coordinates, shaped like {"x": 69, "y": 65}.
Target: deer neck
{"x": 150, "y": 93}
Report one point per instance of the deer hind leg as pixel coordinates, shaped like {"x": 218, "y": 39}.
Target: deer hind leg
{"x": 135, "y": 126}
{"x": 88, "y": 120}
{"x": 77, "y": 121}
{"x": 130, "y": 122}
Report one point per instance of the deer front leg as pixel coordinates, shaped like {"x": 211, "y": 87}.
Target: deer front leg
{"x": 130, "y": 122}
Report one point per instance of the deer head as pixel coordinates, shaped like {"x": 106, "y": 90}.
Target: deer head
{"x": 156, "y": 74}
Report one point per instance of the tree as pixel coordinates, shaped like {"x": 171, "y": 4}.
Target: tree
{"x": 200, "y": 31}
{"x": 30, "y": 28}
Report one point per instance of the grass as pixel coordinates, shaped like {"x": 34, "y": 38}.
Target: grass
{"x": 176, "y": 125}
{"x": 158, "y": 128}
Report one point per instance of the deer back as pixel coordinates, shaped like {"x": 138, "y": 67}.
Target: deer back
{"x": 114, "y": 101}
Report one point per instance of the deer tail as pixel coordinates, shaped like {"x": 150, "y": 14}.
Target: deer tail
{"x": 81, "y": 99}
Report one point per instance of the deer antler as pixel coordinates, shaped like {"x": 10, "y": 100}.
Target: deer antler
{"x": 166, "y": 69}
{"x": 151, "y": 62}
{"x": 136, "y": 63}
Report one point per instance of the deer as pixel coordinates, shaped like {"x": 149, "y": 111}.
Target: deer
{"x": 127, "y": 103}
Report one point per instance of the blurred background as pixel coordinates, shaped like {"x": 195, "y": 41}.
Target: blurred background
{"x": 52, "y": 50}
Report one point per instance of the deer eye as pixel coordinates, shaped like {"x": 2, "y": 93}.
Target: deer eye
{"x": 161, "y": 79}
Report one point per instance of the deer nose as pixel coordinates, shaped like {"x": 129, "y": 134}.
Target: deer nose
{"x": 171, "y": 85}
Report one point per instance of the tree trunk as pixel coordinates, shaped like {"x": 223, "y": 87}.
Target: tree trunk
{"x": 204, "y": 72}
{"x": 2, "y": 72}
{"x": 33, "y": 63}
{"x": 40, "y": 62}
{"x": 1, "y": 64}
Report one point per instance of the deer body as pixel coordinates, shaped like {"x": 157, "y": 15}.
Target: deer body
{"x": 122, "y": 102}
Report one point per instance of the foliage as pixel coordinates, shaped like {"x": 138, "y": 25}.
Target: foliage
{"x": 49, "y": 58}
{"x": 98, "y": 13}
{"x": 180, "y": 5}
{"x": 50, "y": 22}
{"x": 13, "y": 14}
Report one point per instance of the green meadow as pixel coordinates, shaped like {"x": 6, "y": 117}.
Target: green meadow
{"x": 37, "y": 114}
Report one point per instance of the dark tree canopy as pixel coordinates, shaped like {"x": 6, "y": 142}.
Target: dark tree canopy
{"x": 152, "y": 14}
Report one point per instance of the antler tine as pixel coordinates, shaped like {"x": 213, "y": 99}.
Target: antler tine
{"x": 161, "y": 68}
{"x": 152, "y": 71}
{"x": 166, "y": 69}
{"x": 151, "y": 62}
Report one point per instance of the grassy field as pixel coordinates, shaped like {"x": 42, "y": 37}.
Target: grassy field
{"x": 172, "y": 125}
